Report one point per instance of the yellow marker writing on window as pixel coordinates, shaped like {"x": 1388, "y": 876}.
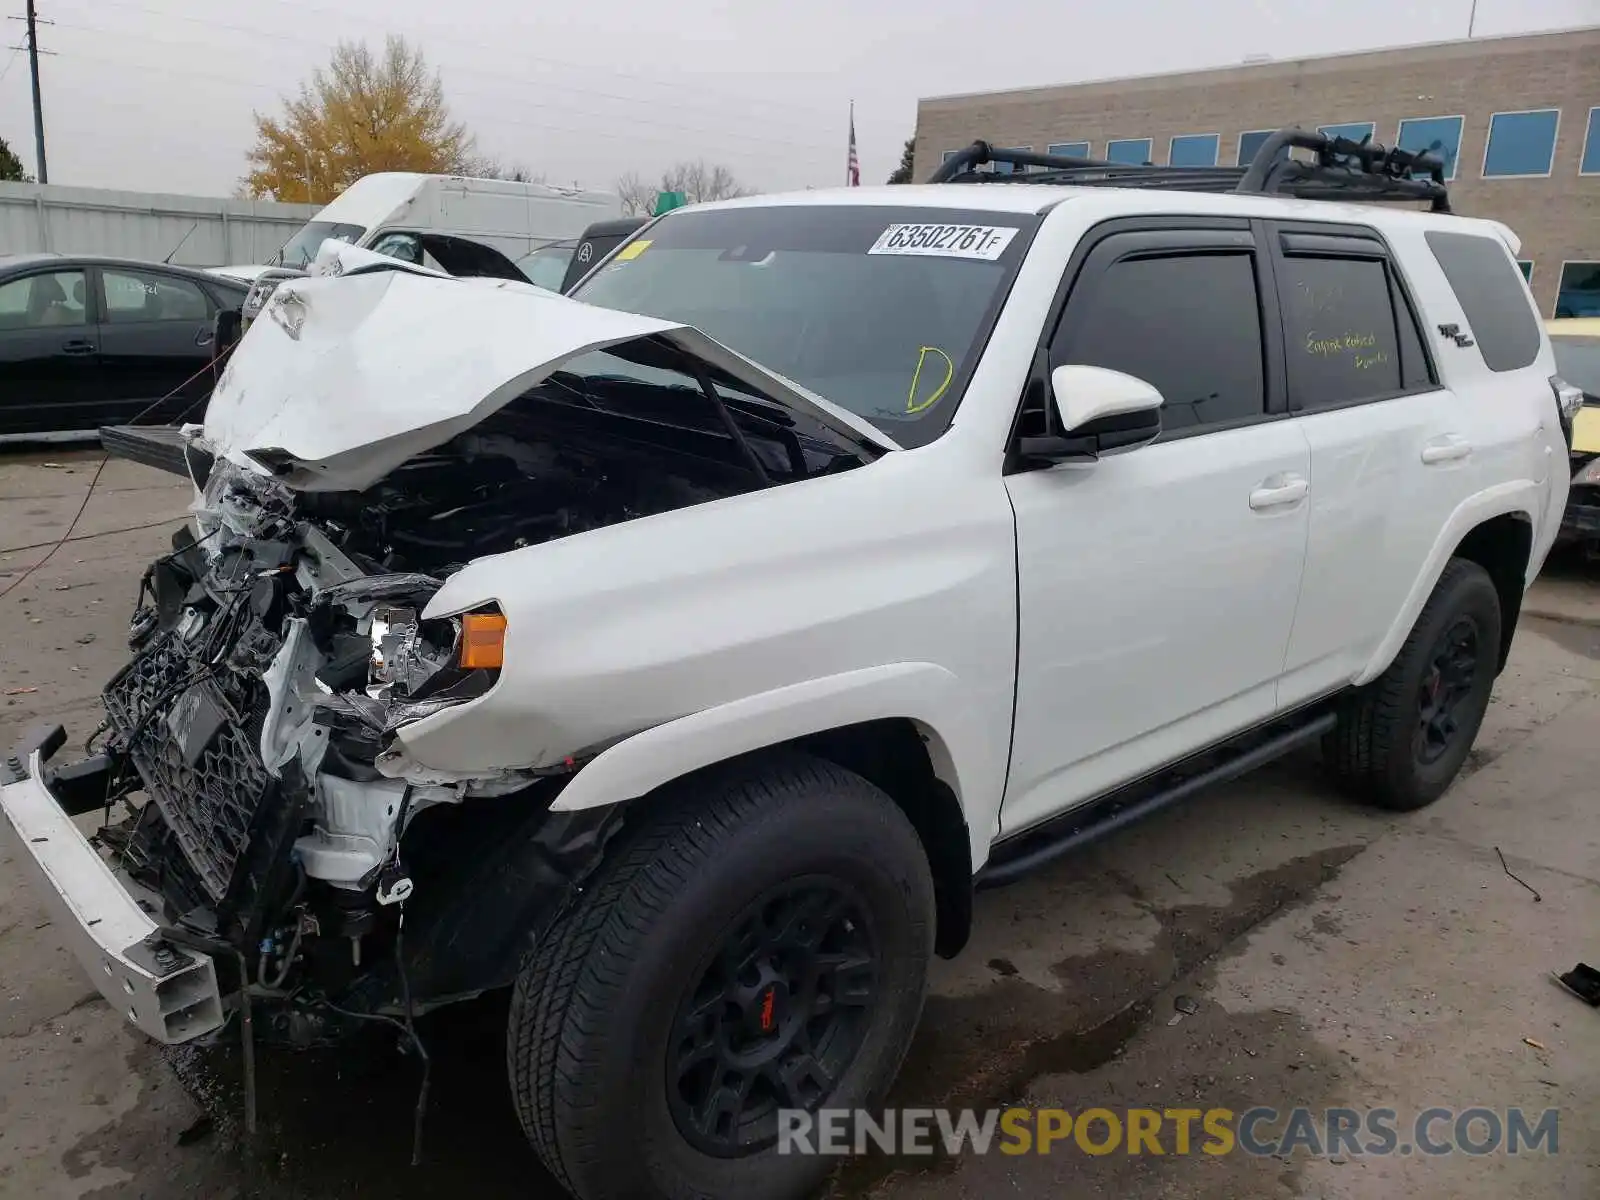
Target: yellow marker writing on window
{"x": 913, "y": 405}
{"x": 632, "y": 250}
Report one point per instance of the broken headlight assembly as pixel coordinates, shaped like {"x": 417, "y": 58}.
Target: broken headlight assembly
{"x": 413, "y": 658}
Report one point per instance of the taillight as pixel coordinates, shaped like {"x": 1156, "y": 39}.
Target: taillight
{"x": 1569, "y": 400}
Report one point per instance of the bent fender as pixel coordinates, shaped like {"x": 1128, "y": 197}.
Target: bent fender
{"x": 923, "y": 692}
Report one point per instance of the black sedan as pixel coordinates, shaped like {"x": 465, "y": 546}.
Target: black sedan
{"x": 89, "y": 341}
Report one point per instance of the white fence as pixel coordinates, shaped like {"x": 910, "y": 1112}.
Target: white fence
{"x": 147, "y": 225}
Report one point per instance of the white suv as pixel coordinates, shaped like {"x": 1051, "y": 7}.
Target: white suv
{"x": 683, "y": 654}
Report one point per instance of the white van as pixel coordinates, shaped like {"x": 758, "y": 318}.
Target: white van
{"x": 400, "y": 213}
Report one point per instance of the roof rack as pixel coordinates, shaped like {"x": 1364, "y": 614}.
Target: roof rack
{"x": 1340, "y": 169}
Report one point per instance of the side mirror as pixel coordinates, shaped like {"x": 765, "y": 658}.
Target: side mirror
{"x": 1097, "y": 412}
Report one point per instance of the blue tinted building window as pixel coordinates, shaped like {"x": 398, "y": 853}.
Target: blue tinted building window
{"x": 1128, "y": 150}
{"x": 1590, "y": 163}
{"x": 1070, "y": 149}
{"x": 1193, "y": 150}
{"x": 1521, "y": 143}
{"x": 1250, "y": 142}
{"x": 948, "y": 155}
{"x": 1355, "y": 130}
{"x": 1442, "y": 135}
{"x": 1525, "y": 265}
{"x": 1578, "y": 293}
{"x": 1007, "y": 168}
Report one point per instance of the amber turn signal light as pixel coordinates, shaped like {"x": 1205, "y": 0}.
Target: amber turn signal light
{"x": 483, "y": 640}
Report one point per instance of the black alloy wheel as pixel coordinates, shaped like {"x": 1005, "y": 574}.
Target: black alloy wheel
{"x": 780, "y": 1010}
{"x": 1447, "y": 685}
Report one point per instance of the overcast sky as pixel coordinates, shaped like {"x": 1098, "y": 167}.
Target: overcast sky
{"x": 158, "y": 94}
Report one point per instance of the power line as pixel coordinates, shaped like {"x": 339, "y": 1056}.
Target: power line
{"x": 776, "y": 153}
{"x": 715, "y": 98}
{"x": 500, "y": 97}
{"x": 15, "y": 51}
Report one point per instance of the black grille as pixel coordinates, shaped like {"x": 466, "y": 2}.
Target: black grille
{"x": 211, "y": 802}
{"x": 153, "y": 857}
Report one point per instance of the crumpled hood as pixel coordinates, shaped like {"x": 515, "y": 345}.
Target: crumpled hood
{"x": 350, "y": 372}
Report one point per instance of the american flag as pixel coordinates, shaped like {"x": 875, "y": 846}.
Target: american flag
{"x": 852, "y": 175}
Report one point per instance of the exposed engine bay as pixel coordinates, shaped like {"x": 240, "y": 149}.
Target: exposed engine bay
{"x": 281, "y": 645}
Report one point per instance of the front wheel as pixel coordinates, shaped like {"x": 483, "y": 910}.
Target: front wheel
{"x": 759, "y": 943}
{"x": 1403, "y": 738}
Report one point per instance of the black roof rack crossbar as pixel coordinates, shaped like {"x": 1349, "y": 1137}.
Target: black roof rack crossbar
{"x": 1338, "y": 169}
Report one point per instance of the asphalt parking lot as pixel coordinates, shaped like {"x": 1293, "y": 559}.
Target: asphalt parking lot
{"x": 1334, "y": 956}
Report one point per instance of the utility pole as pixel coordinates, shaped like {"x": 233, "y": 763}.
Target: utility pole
{"x": 1472, "y": 18}
{"x": 38, "y": 106}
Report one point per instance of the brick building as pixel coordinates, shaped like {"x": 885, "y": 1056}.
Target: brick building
{"x": 1517, "y": 118}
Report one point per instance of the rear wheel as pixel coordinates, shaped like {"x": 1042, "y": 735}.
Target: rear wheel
{"x": 1403, "y": 738}
{"x": 759, "y": 943}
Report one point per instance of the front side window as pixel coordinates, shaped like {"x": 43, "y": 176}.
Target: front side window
{"x": 1190, "y": 326}
{"x": 1481, "y": 274}
{"x": 407, "y": 247}
{"x": 1578, "y": 294}
{"x": 883, "y": 310}
{"x": 1193, "y": 150}
{"x": 547, "y": 266}
{"x": 1441, "y": 135}
{"x": 1132, "y": 151}
{"x": 139, "y": 296}
{"x": 1340, "y": 328}
{"x": 44, "y": 301}
{"x": 1521, "y": 143}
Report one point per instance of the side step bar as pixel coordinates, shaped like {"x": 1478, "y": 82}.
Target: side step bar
{"x": 1116, "y": 810}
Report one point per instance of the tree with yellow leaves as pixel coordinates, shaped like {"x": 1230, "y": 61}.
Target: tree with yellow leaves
{"x": 358, "y": 115}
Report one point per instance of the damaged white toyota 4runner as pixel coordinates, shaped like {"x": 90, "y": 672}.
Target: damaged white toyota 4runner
{"x": 689, "y": 685}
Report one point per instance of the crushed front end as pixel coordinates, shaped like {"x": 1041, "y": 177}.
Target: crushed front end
{"x": 276, "y": 651}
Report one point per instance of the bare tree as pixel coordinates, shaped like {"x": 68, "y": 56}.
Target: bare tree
{"x": 638, "y": 197}
{"x": 489, "y": 167}
{"x": 699, "y": 182}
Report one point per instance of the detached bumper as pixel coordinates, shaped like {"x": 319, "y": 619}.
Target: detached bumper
{"x": 169, "y": 993}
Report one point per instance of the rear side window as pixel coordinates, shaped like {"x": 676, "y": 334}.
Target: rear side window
{"x": 1188, "y": 325}
{"x": 1493, "y": 296}
{"x": 1343, "y": 339}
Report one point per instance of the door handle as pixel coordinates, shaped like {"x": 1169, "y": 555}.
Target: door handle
{"x": 203, "y": 338}
{"x": 77, "y": 346}
{"x": 1279, "y": 490}
{"x": 1450, "y": 448}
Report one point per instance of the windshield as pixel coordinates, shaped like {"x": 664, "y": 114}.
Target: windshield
{"x": 882, "y": 310}
{"x": 1578, "y": 362}
{"x": 547, "y": 266}
{"x": 301, "y": 249}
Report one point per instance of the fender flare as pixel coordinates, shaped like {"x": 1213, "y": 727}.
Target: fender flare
{"x": 925, "y": 693}
{"x": 1519, "y": 497}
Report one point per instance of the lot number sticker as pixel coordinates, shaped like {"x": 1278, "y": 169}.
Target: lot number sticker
{"x": 986, "y": 242}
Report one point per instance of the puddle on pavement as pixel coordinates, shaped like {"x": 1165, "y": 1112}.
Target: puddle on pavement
{"x": 986, "y": 1050}
{"x": 338, "y": 1124}
{"x": 1569, "y": 635}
